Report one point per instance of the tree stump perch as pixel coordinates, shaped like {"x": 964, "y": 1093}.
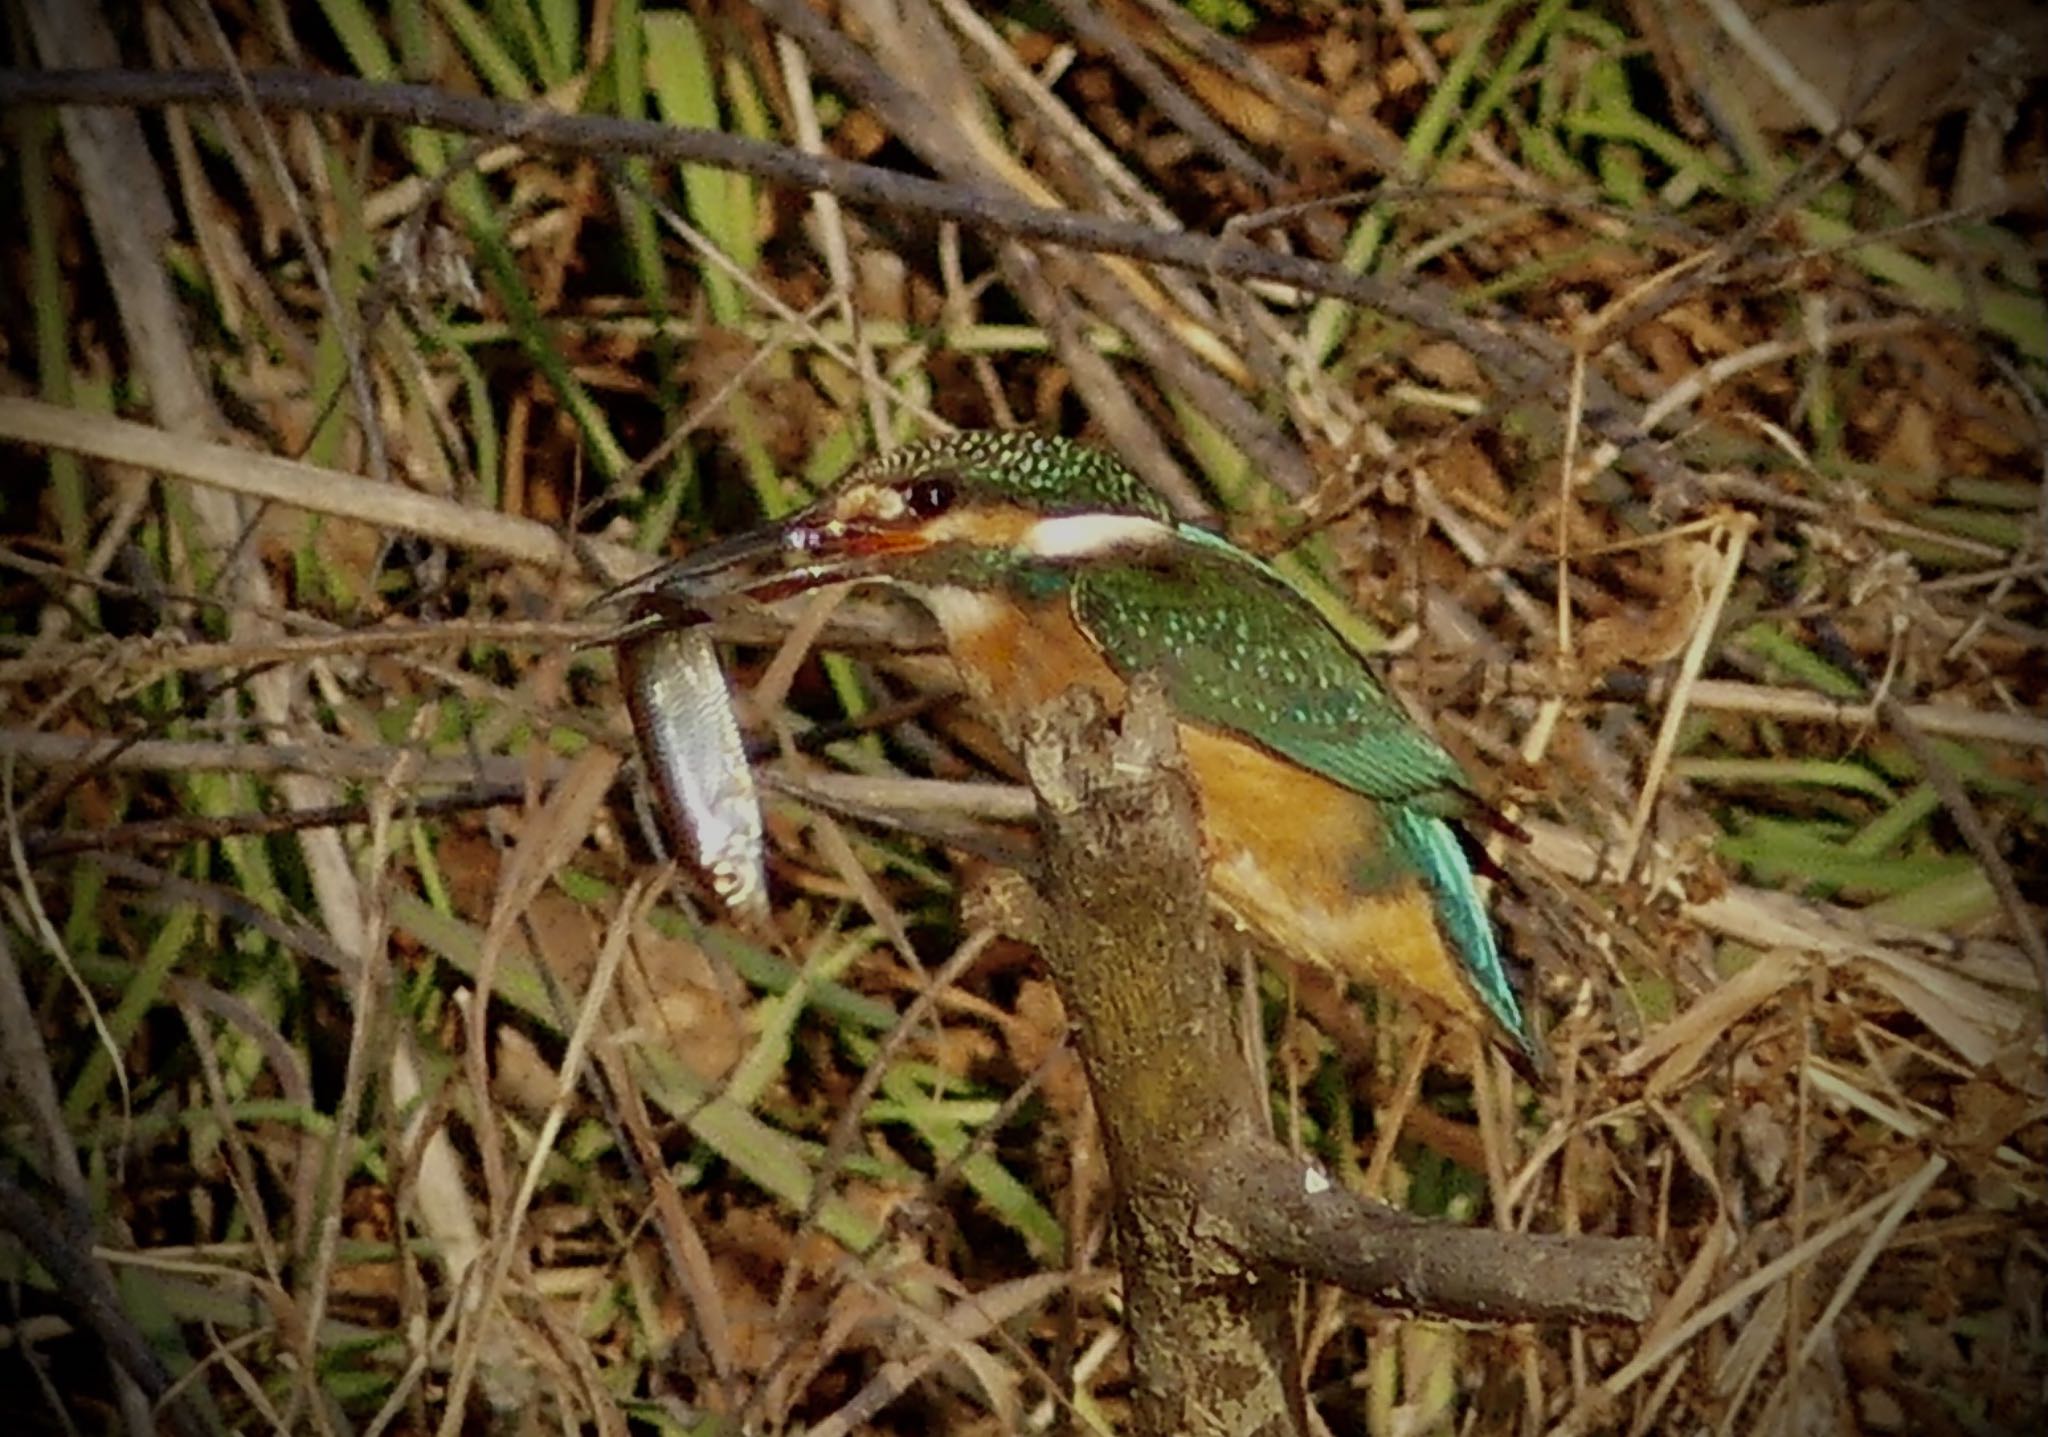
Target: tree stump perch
{"x": 1211, "y": 1215}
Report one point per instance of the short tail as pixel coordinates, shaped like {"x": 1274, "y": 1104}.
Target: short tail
{"x": 1433, "y": 846}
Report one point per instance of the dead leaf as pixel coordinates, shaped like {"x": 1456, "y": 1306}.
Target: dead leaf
{"x": 1912, "y": 444}
{"x": 1984, "y": 1114}
{"x": 1678, "y": 1046}
{"x": 1659, "y": 632}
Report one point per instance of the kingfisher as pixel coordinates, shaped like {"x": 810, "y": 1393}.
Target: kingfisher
{"x": 1328, "y": 814}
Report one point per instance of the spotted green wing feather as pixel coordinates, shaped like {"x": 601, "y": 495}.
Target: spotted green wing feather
{"x": 1241, "y": 649}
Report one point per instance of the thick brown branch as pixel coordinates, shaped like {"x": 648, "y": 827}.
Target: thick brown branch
{"x": 1128, "y": 938}
{"x": 1278, "y": 1211}
{"x": 1210, "y": 1211}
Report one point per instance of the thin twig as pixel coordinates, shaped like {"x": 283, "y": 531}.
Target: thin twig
{"x": 1523, "y": 359}
{"x": 1704, "y": 630}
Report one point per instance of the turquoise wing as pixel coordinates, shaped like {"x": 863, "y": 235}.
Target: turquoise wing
{"x": 1241, "y": 649}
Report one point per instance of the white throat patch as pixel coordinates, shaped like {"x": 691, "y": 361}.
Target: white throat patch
{"x": 1082, "y": 536}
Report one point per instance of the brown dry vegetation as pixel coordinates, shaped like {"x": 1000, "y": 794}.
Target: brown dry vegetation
{"x": 1766, "y": 689}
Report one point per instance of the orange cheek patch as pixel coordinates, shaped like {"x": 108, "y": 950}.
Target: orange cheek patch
{"x": 997, "y": 526}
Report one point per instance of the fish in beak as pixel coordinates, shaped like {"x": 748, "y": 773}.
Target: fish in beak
{"x": 678, "y": 694}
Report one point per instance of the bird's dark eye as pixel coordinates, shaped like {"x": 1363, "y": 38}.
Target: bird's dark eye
{"x": 931, "y": 496}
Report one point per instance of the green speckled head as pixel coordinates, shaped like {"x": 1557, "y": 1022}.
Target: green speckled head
{"x": 962, "y": 511}
{"x": 1038, "y": 471}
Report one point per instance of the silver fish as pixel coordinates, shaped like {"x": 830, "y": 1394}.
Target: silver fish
{"x": 690, "y": 742}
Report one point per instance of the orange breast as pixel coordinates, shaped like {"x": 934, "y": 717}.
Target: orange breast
{"x": 1294, "y": 857}
{"x": 1014, "y": 659}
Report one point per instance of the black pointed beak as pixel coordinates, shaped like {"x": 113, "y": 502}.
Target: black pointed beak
{"x": 807, "y": 551}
